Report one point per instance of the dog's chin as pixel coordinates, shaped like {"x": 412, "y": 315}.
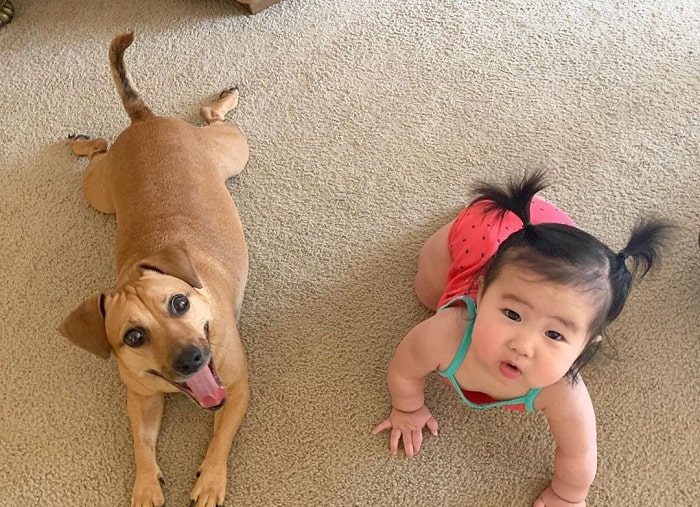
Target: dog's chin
{"x": 203, "y": 387}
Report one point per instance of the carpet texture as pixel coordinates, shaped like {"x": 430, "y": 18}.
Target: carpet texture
{"x": 368, "y": 121}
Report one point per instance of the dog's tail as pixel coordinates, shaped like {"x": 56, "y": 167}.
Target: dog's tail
{"x": 135, "y": 107}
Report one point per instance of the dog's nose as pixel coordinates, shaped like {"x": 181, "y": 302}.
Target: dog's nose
{"x": 189, "y": 361}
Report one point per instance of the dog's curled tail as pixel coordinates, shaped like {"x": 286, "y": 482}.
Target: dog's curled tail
{"x": 134, "y": 105}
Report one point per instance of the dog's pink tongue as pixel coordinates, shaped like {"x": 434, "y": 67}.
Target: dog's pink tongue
{"x": 205, "y": 389}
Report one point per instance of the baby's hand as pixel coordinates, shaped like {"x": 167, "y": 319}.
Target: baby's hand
{"x": 548, "y": 498}
{"x": 407, "y": 426}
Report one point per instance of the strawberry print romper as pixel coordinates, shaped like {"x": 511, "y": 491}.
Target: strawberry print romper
{"x": 476, "y": 235}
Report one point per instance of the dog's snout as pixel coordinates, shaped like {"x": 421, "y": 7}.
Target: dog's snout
{"x": 189, "y": 361}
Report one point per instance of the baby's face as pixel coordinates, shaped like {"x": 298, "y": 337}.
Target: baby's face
{"x": 528, "y": 332}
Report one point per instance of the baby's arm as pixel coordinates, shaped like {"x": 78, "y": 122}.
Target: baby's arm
{"x": 410, "y": 366}
{"x": 418, "y": 354}
{"x": 571, "y": 418}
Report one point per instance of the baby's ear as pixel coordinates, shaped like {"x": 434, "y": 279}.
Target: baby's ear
{"x": 481, "y": 290}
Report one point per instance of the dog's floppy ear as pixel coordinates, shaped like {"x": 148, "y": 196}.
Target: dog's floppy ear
{"x": 173, "y": 260}
{"x": 85, "y": 326}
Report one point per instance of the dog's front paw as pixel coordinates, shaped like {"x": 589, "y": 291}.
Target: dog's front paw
{"x": 210, "y": 488}
{"x": 148, "y": 493}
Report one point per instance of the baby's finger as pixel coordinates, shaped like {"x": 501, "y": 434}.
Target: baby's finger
{"x": 384, "y": 425}
{"x": 417, "y": 436}
{"x": 408, "y": 445}
{"x": 432, "y": 425}
{"x": 394, "y": 441}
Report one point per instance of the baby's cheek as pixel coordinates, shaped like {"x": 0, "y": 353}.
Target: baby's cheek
{"x": 483, "y": 347}
{"x": 555, "y": 369}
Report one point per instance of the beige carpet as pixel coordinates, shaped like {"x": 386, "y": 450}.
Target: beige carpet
{"x": 368, "y": 121}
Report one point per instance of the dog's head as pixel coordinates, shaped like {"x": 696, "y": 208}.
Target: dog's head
{"x": 155, "y": 325}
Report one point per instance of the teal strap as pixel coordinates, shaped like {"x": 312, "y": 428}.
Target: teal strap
{"x": 466, "y": 339}
{"x": 529, "y": 398}
{"x": 449, "y": 373}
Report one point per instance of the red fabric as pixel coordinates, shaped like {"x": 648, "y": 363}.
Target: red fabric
{"x": 475, "y": 236}
{"x": 484, "y": 399}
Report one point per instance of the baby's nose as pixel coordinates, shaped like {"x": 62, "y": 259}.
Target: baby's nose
{"x": 522, "y": 344}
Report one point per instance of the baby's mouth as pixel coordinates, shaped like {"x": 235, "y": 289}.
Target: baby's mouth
{"x": 509, "y": 370}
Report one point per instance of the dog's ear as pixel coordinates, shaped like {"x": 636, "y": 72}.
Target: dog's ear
{"x": 173, "y": 260}
{"x": 85, "y": 326}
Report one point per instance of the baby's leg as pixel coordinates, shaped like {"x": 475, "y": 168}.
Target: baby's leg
{"x": 433, "y": 264}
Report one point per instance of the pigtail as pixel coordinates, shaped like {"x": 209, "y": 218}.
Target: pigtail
{"x": 644, "y": 246}
{"x": 515, "y": 197}
{"x": 636, "y": 259}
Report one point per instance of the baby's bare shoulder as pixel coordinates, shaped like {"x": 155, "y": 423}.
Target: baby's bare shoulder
{"x": 563, "y": 395}
{"x": 442, "y": 333}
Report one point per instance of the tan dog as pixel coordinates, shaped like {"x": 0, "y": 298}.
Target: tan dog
{"x": 182, "y": 265}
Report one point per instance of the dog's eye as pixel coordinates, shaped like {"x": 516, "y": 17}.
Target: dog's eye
{"x": 179, "y": 304}
{"x": 135, "y": 337}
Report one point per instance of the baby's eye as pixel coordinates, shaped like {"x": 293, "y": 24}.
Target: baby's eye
{"x": 511, "y": 315}
{"x": 554, "y": 335}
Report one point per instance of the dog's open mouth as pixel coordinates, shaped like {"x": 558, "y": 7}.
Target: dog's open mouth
{"x": 203, "y": 386}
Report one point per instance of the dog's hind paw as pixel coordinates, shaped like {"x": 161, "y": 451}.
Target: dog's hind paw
{"x": 79, "y": 135}
{"x": 85, "y": 146}
{"x": 228, "y": 91}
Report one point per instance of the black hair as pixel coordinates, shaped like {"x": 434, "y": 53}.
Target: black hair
{"x": 568, "y": 255}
